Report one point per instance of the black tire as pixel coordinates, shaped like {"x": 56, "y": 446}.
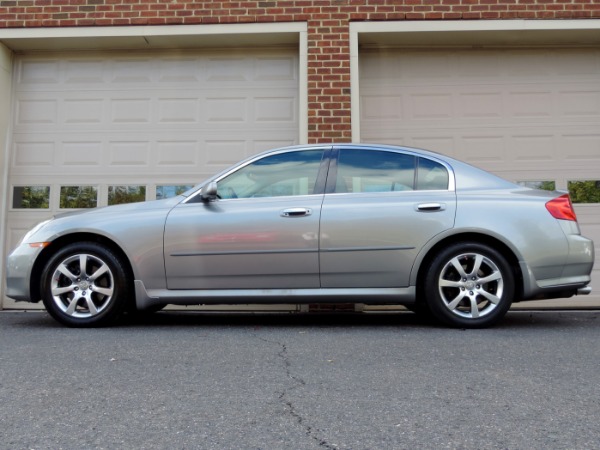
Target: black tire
{"x": 85, "y": 285}
{"x": 469, "y": 285}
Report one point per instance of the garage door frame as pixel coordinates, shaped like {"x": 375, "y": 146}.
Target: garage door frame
{"x": 463, "y": 34}
{"x": 136, "y": 38}
{"x": 518, "y": 34}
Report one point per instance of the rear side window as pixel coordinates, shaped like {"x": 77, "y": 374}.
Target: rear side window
{"x": 431, "y": 176}
{"x": 382, "y": 171}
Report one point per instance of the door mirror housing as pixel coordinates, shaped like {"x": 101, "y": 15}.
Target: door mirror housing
{"x": 208, "y": 193}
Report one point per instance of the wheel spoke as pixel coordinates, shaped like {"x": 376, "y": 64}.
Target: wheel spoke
{"x": 62, "y": 290}
{"x": 91, "y": 306}
{"x": 495, "y": 276}
{"x": 459, "y": 268}
{"x": 477, "y": 265}
{"x": 66, "y": 272}
{"x": 83, "y": 265}
{"x": 104, "y": 291}
{"x": 474, "y": 308}
{"x": 491, "y": 297}
{"x": 450, "y": 284}
{"x": 101, "y": 271}
{"x": 72, "y": 306}
{"x": 454, "y": 303}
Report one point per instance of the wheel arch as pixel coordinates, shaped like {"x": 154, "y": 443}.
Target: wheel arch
{"x": 57, "y": 244}
{"x": 474, "y": 237}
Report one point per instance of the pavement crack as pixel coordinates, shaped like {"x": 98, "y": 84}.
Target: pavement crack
{"x": 290, "y": 407}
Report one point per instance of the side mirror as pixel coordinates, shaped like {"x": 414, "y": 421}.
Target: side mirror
{"x": 208, "y": 193}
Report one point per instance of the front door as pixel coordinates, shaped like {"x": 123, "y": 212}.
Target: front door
{"x": 262, "y": 233}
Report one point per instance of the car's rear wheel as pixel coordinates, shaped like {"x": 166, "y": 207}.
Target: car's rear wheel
{"x": 85, "y": 285}
{"x": 469, "y": 285}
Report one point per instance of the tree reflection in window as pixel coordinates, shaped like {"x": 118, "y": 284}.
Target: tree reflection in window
{"x": 171, "y": 190}
{"x": 126, "y": 194}
{"x": 31, "y": 197}
{"x": 78, "y": 196}
{"x": 543, "y": 185}
{"x": 587, "y": 191}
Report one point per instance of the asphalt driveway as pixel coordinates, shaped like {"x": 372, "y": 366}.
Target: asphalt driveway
{"x": 280, "y": 381}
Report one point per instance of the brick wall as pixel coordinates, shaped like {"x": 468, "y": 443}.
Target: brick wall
{"x": 328, "y": 34}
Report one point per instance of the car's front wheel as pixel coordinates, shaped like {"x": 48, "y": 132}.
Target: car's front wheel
{"x": 85, "y": 285}
{"x": 469, "y": 285}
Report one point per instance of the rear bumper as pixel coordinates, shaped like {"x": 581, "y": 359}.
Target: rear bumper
{"x": 575, "y": 275}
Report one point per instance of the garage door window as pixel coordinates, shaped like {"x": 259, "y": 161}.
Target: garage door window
{"x": 31, "y": 197}
{"x": 587, "y": 191}
{"x": 126, "y": 194}
{"x": 78, "y": 196}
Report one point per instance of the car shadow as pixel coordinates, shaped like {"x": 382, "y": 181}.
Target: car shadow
{"x": 404, "y": 319}
{"x": 514, "y": 320}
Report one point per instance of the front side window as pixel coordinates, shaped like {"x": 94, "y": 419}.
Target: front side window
{"x": 292, "y": 173}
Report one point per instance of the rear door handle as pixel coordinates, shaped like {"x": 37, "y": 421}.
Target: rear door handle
{"x": 296, "y": 212}
{"x": 430, "y": 207}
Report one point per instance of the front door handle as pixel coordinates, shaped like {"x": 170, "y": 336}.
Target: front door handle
{"x": 296, "y": 212}
{"x": 430, "y": 207}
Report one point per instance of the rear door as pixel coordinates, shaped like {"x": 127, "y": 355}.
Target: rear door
{"x": 381, "y": 207}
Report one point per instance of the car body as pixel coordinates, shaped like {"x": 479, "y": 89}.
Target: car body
{"x": 336, "y": 223}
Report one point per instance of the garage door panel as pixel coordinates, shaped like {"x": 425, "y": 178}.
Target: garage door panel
{"x": 148, "y": 120}
{"x": 527, "y": 114}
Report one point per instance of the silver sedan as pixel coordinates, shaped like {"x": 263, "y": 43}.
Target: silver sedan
{"x": 314, "y": 224}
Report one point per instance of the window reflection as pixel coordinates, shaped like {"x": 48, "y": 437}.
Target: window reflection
{"x": 168, "y": 191}
{"x": 292, "y": 173}
{"x": 381, "y": 171}
{"x": 31, "y": 197}
{"x": 78, "y": 197}
{"x": 126, "y": 194}
{"x": 587, "y": 191}
{"x": 543, "y": 185}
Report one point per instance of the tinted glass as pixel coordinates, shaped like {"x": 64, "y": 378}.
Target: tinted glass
{"x": 431, "y": 176}
{"x": 293, "y": 173}
{"x": 374, "y": 171}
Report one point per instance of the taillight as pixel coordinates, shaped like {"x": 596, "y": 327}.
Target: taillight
{"x": 562, "y": 208}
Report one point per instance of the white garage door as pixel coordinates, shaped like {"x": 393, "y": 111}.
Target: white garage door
{"x": 530, "y": 115}
{"x": 93, "y": 129}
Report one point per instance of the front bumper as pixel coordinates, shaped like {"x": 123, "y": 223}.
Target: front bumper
{"x": 18, "y": 273}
